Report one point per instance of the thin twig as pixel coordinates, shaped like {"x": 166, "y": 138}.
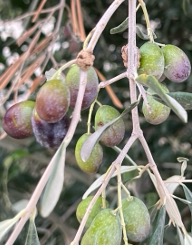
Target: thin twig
{"x": 80, "y": 21}
{"x": 102, "y": 23}
{"x": 110, "y": 91}
{"x": 38, "y": 11}
{"x": 103, "y": 84}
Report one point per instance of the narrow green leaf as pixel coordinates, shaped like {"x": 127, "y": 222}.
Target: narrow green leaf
{"x": 180, "y": 234}
{"x": 187, "y": 240}
{"x": 173, "y": 182}
{"x": 152, "y": 82}
{"x": 49, "y": 73}
{"x": 124, "y": 26}
{"x": 32, "y": 236}
{"x": 186, "y": 5}
{"x": 99, "y": 181}
{"x": 140, "y": 32}
{"x": 177, "y": 108}
{"x": 188, "y": 196}
{"x": 55, "y": 183}
{"x": 120, "y": 28}
{"x": 6, "y": 225}
{"x": 184, "y": 98}
{"x": 89, "y": 144}
{"x": 158, "y": 230}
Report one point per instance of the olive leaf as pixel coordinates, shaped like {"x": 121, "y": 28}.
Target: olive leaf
{"x": 180, "y": 234}
{"x": 55, "y": 183}
{"x": 99, "y": 181}
{"x": 50, "y": 73}
{"x": 188, "y": 195}
{"x": 89, "y": 144}
{"x": 120, "y": 28}
{"x": 184, "y": 98}
{"x": 32, "y": 236}
{"x": 54, "y": 74}
{"x": 140, "y": 30}
{"x": 187, "y": 239}
{"x": 152, "y": 82}
{"x": 6, "y": 225}
{"x": 158, "y": 229}
{"x": 173, "y": 182}
{"x": 186, "y": 6}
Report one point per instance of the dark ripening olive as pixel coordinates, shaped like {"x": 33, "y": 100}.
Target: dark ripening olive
{"x": 52, "y": 101}
{"x": 82, "y": 207}
{"x": 17, "y": 120}
{"x": 177, "y": 64}
{"x": 115, "y": 133}
{"x": 137, "y": 219}
{"x": 91, "y": 91}
{"x": 95, "y": 159}
{"x": 105, "y": 229}
{"x": 49, "y": 135}
{"x": 157, "y": 112}
{"x": 151, "y": 60}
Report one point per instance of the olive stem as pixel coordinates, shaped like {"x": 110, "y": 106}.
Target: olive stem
{"x": 117, "y": 149}
{"x": 102, "y": 23}
{"x": 126, "y": 190}
{"x": 146, "y": 15}
{"x": 89, "y": 117}
{"x": 119, "y": 183}
{"x": 112, "y": 80}
{"x": 57, "y": 74}
{"x": 164, "y": 195}
{"x": 103, "y": 196}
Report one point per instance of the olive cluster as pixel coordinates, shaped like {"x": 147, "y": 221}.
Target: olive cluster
{"x": 169, "y": 62}
{"x": 111, "y": 137}
{"x": 104, "y": 227}
{"x": 47, "y": 118}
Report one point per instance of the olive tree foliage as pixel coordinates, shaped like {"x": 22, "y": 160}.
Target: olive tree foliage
{"x": 42, "y": 187}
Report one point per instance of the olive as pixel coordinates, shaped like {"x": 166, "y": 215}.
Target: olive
{"x": 113, "y": 135}
{"x": 49, "y": 135}
{"x": 82, "y": 207}
{"x": 177, "y": 64}
{"x": 105, "y": 229}
{"x": 137, "y": 219}
{"x": 156, "y": 112}
{"x": 95, "y": 159}
{"x": 52, "y": 101}
{"x": 151, "y": 60}
{"x": 91, "y": 91}
{"x": 17, "y": 120}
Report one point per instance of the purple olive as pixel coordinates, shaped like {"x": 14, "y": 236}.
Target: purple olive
{"x": 49, "y": 135}
{"x": 52, "y": 101}
{"x": 17, "y": 120}
{"x": 177, "y": 64}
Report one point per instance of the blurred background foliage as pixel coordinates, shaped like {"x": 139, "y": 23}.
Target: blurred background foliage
{"x": 22, "y": 162}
